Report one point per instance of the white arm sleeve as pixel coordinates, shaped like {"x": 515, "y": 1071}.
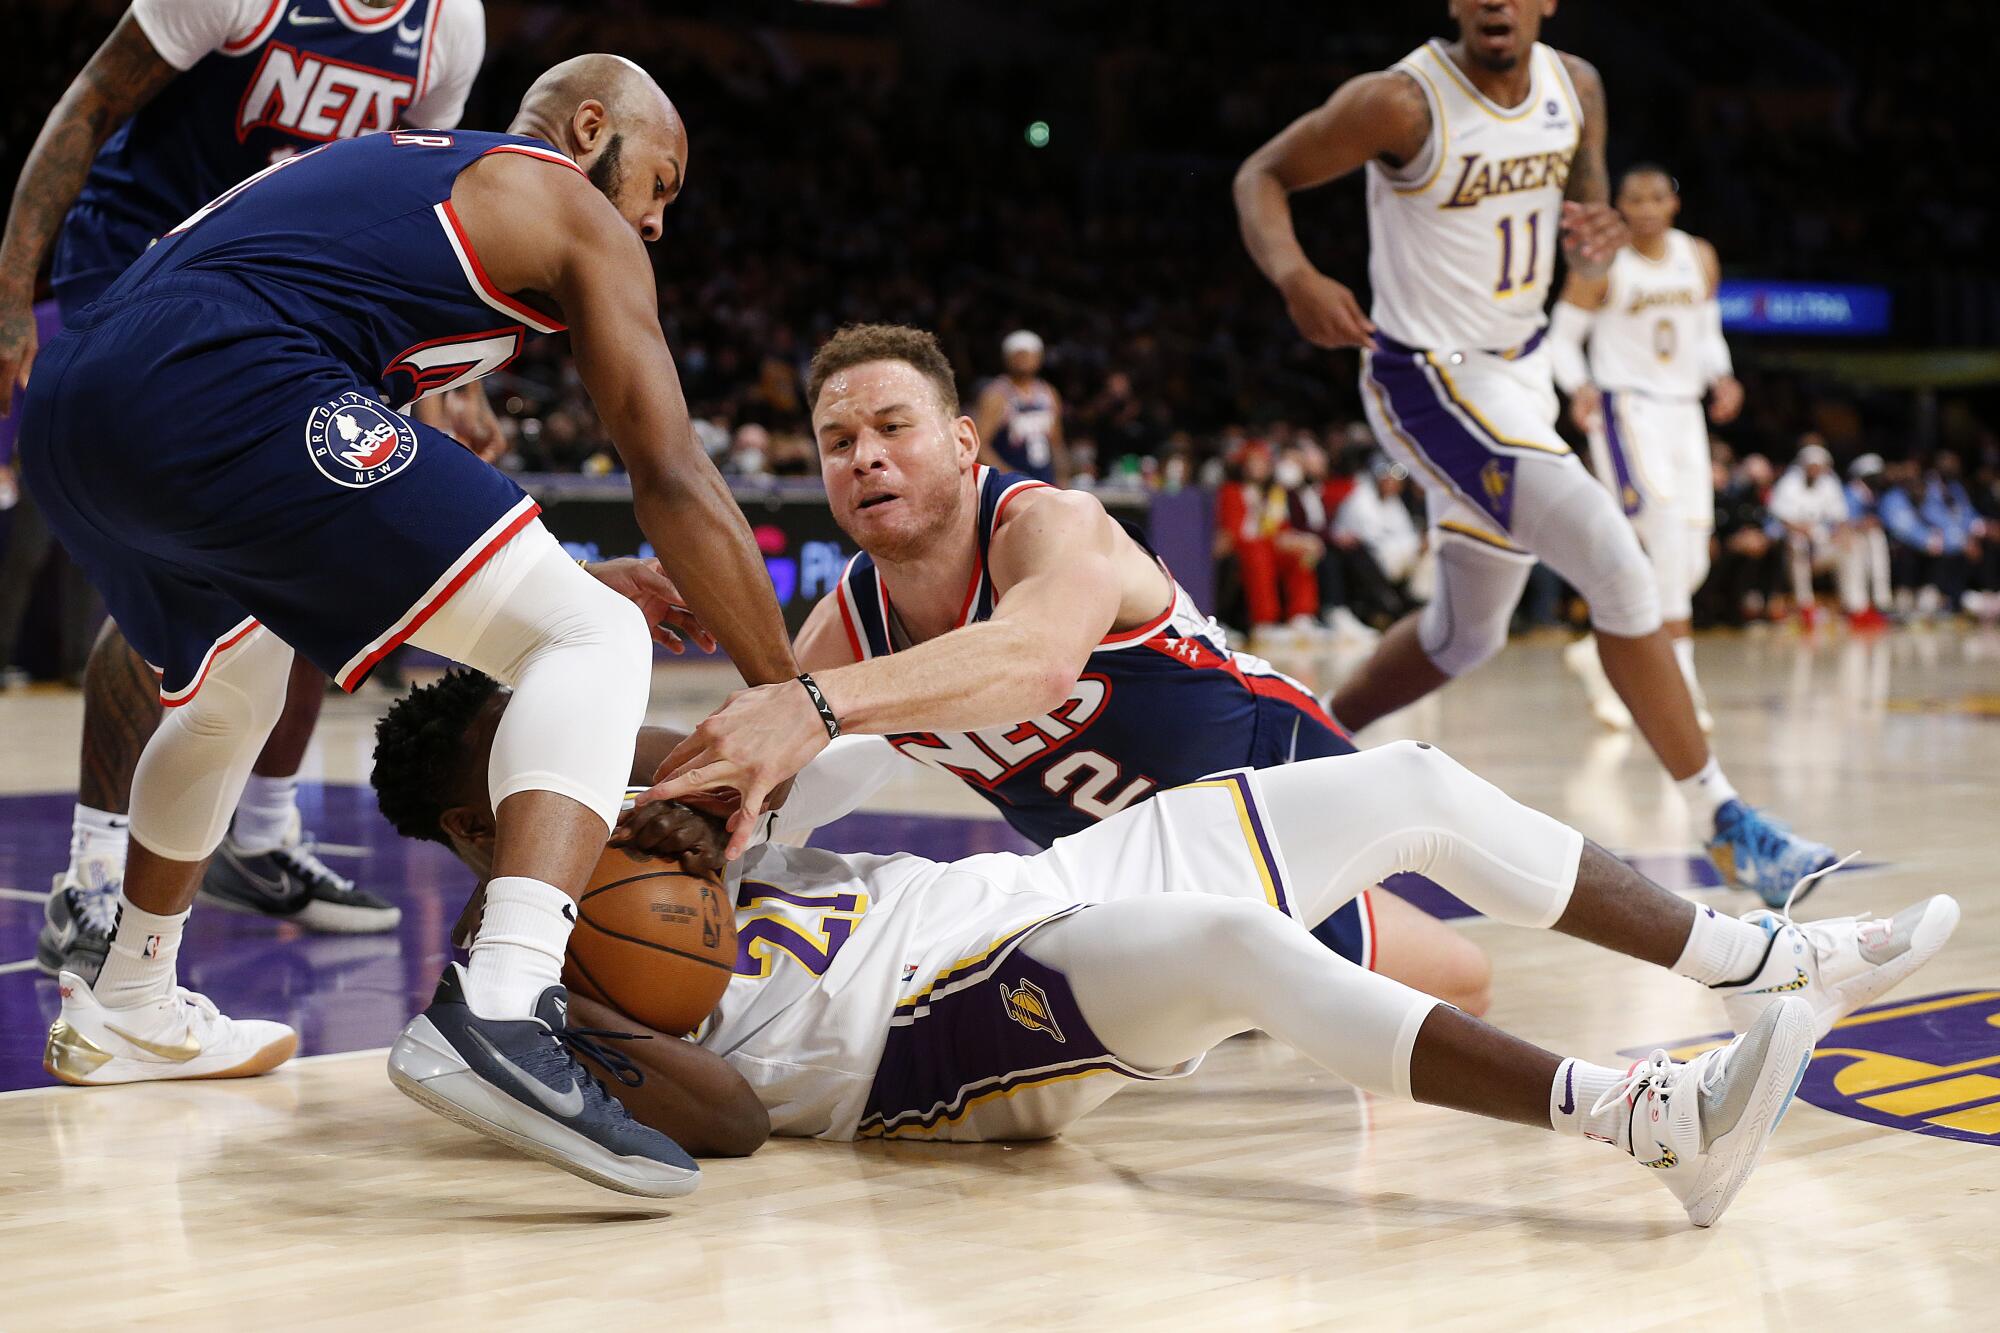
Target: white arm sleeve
{"x": 1569, "y": 329}
{"x": 183, "y": 31}
{"x": 1715, "y": 362}
{"x": 842, "y": 776}
{"x": 457, "y": 50}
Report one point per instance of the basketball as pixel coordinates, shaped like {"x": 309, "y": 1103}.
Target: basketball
{"x": 652, "y": 941}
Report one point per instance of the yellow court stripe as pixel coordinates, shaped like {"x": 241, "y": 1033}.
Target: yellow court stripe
{"x": 1479, "y": 99}
{"x": 1451, "y": 392}
{"x": 1264, "y": 870}
{"x": 1920, "y": 1007}
{"x": 1475, "y": 534}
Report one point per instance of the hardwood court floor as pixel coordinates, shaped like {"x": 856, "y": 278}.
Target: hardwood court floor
{"x": 1263, "y": 1193}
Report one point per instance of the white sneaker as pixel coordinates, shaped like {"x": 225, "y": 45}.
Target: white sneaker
{"x": 1701, "y": 1126}
{"x": 180, "y": 1035}
{"x": 1605, "y": 705}
{"x": 1839, "y": 964}
{"x": 1349, "y": 628}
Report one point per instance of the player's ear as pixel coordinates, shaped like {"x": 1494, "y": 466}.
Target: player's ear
{"x": 965, "y": 435}
{"x": 590, "y": 124}
{"x": 470, "y": 831}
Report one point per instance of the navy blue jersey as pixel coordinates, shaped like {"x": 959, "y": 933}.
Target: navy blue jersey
{"x": 1025, "y": 442}
{"x": 313, "y": 71}
{"x": 356, "y": 243}
{"x": 1156, "y": 706}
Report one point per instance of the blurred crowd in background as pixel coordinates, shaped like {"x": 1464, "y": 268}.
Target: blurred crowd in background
{"x": 1064, "y": 166}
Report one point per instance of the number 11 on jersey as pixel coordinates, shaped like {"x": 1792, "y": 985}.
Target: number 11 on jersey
{"x": 1505, "y": 228}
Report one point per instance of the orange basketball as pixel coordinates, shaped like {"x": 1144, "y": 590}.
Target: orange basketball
{"x": 652, "y": 941}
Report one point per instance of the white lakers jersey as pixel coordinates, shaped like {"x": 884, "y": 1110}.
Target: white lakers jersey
{"x": 1462, "y": 239}
{"x": 1646, "y": 339}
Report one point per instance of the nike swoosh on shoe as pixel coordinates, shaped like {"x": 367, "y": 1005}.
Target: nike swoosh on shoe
{"x": 180, "y": 1053}
{"x": 568, "y": 1105}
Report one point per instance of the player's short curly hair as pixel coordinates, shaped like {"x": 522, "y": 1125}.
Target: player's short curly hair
{"x": 858, "y": 344}
{"x": 419, "y": 746}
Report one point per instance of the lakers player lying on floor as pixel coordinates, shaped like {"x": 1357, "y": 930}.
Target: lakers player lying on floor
{"x": 1004, "y": 996}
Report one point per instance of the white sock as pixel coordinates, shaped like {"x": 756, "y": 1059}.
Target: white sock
{"x": 101, "y": 837}
{"x": 266, "y": 815}
{"x": 140, "y": 966}
{"x": 1722, "y": 949}
{"x": 1707, "y": 791}
{"x": 518, "y": 952}
{"x": 1684, "y": 657}
{"x": 1578, "y": 1085}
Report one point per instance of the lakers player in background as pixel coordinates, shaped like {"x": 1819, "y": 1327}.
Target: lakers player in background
{"x": 1654, "y": 330}
{"x": 1479, "y": 153}
{"x": 184, "y": 99}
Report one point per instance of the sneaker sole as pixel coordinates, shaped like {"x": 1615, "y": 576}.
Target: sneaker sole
{"x": 1777, "y": 1082}
{"x": 121, "y": 1070}
{"x": 483, "y": 1111}
{"x": 322, "y": 918}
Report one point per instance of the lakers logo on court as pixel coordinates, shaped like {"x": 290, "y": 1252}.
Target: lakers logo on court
{"x": 1929, "y": 1064}
{"x": 1028, "y": 1005}
{"x": 355, "y": 441}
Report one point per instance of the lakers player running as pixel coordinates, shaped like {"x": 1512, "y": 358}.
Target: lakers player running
{"x": 1654, "y": 329}
{"x": 1002, "y": 997}
{"x": 1478, "y": 153}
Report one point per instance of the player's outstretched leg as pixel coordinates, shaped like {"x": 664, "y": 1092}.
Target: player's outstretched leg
{"x": 1423, "y": 812}
{"x": 132, "y": 1022}
{"x": 1162, "y": 979}
{"x": 268, "y": 864}
{"x": 488, "y": 1053}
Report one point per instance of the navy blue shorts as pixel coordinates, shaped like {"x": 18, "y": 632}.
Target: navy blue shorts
{"x": 212, "y": 467}
{"x": 1291, "y": 729}
{"x": 91, "y": 250}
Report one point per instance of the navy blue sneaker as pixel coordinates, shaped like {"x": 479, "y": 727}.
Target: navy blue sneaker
{"x": 517, "y": 1081}
{"x": 1756, "y": 852}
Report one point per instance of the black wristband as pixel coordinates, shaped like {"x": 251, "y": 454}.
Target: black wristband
{"x": 826, "y": 716}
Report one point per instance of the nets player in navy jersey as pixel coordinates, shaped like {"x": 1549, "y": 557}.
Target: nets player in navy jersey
{"x": 216, "y": 441}
{"x": 183, "y": 100}
{"x": 981, "y": 599}
{"x": 1019, "y": 415}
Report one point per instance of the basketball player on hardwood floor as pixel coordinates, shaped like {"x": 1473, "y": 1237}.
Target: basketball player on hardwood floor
{"x": 1478, "y": 153}
{"x": 1003, "y": 996}
{"x": 280, "y": 503}
{"x": 1654, "y": 329}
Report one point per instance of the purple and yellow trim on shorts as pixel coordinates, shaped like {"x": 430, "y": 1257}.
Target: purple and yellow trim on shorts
{"x": 991, "y": 1026}
{"x": 1446, "y": 432}
{"x": 1629, "y": 494}
{"x": 1256, "y": 837}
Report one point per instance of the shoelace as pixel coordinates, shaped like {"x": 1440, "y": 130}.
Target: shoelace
{"x": 306, "y": 863}
{"x": 96, "y": 907}
{"x": 1814, "y": 930}
{"x": 198, "y": 1002}
{"x": 1658, "y": 1070}
{"x": 590, "y": 1042}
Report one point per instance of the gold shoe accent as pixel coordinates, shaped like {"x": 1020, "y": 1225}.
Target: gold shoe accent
{"x": 180, "y": 1053}
{"x": 71, "y": 1056}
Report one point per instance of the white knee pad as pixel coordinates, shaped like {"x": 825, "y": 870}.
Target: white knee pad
{"x": 1478, "y": 587}
{"x": 578, "y": 657}
{"x": 193, "y": 769}
{"x": 1573, "y": 524}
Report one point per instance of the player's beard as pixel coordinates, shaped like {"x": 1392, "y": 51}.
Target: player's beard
{"x": 606, "y": 173}
{"x": 923, "y": 535}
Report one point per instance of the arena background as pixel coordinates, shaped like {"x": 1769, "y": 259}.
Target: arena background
{"x": 1064, "y": 165}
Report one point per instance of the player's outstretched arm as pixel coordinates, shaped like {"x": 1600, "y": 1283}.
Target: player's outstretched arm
{"x": 1381, "y": 115}
{"x": 1055, "y": 556}
{"x": 123, "y": 76}
{"x": 1593, "y": 231}
{"x": 541, "y": 229}
{"x": 687, "y": 1092}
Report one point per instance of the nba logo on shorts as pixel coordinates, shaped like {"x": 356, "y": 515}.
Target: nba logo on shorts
{"x": 355, "y": 441}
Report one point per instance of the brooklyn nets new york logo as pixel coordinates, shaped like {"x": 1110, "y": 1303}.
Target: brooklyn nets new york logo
{"x": 355, "y": 441}
{"x": 1930, "y": 1065}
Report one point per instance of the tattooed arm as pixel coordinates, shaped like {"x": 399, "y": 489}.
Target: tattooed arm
{"x": 123, "y": 76}
{"x": 1592, "y": 230}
